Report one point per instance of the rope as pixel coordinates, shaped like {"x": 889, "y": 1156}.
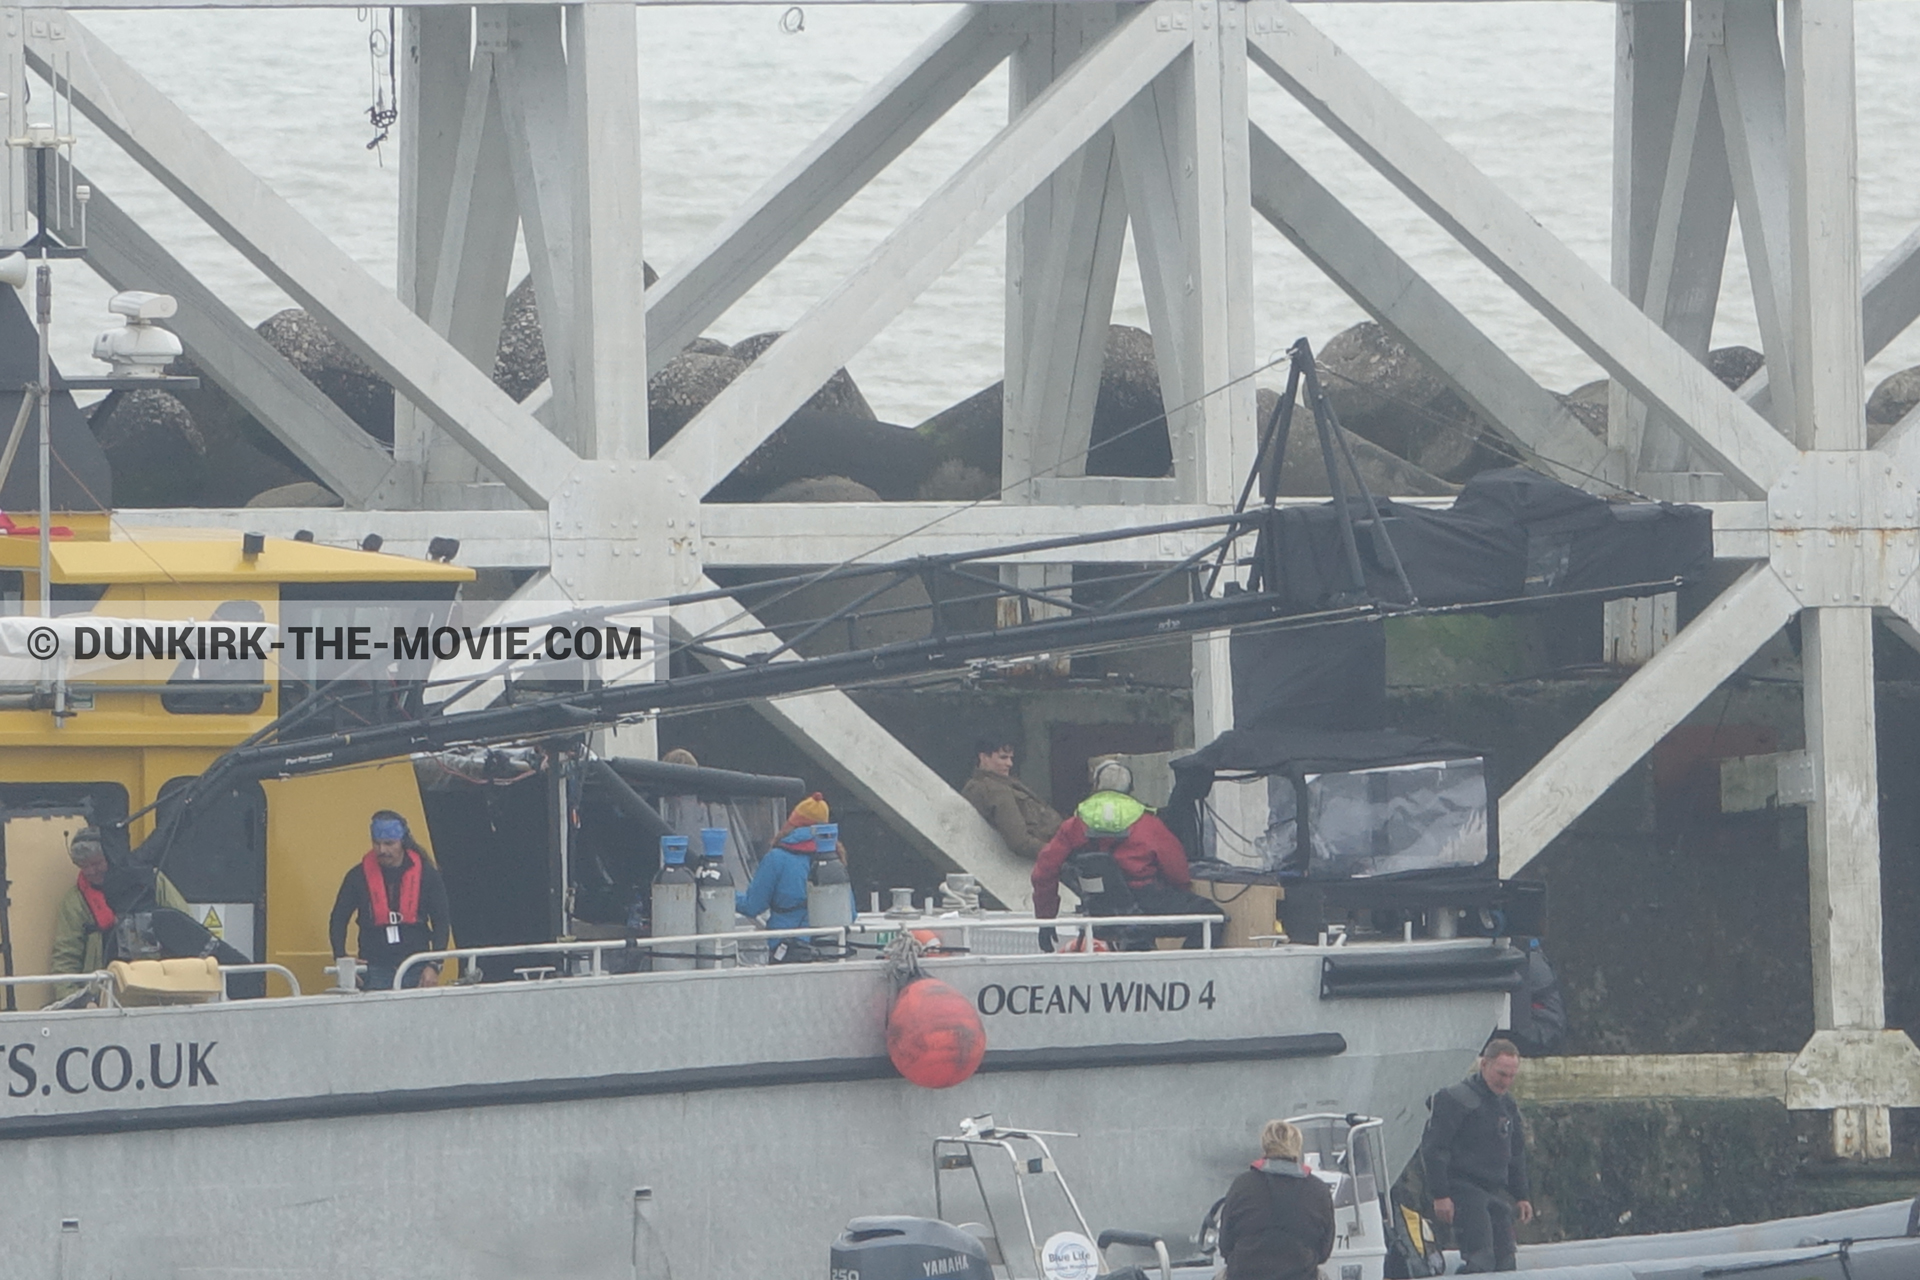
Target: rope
{"x": 386, "y": 86}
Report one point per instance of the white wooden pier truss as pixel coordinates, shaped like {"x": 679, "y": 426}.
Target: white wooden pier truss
{"x": 524, "y": 119}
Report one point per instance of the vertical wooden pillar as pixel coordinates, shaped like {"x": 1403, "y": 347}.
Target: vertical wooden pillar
{"x": 610, "y": 329}
{"x": 1843, "y": 823}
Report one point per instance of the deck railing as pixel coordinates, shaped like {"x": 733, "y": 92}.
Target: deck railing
{"x": 595, "y": 950}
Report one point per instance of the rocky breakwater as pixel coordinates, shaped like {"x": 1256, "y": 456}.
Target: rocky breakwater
{"x": 1410, "y": 432}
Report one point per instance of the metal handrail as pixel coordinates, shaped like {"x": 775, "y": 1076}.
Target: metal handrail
{"x": 967, "y": 924}
{"x": 227, "y": 970}
{"x": 840, "y": 932}
{"x": 599, "y": 947}
{"x": 103, "y": 978}
{"x": 53, "y": 979}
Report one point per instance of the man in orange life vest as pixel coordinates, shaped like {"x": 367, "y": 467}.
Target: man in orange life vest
{"x": 83, "y": 923}
{"x": 402, "y": 904}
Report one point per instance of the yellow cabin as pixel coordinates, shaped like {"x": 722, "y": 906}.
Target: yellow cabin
{"x": 83, "y": 752}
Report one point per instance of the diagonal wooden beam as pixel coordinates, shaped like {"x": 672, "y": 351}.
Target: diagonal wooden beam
{"x": 1396, "y": 295}
{"x": 839, "y": 163}
{"x": 469, "y": 282}
{"x": 1642, "y": 711}
{"x": 1687, "y": 258}
{"x": 872, "y": 763}
{"x": 348, "y": 460}
{"x": 1532, "y": 261}
{"x": 1059, "y": 308}
{"x": 302, "y": 260}
{"x": 1889, "y": 304}
{"x": 1022, "y": 155}
{"x": 530, "y": 79}
{"x": 800, "y": 533}
{"x": 1750, "y": 87}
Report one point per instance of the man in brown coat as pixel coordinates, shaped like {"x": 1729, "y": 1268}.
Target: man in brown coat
{"x": 1277, "y": 1223}
{"x": 1023, "y": 819}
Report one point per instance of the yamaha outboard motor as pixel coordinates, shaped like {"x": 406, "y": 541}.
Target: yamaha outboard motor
{"x": 908, "y": 1249}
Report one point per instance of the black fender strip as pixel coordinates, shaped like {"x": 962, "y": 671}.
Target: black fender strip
{"x": 1420, "y": 972}
{"x": 750, "y": 1075}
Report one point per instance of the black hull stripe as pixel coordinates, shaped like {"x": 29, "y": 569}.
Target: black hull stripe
{"x": 752, "y": 1075}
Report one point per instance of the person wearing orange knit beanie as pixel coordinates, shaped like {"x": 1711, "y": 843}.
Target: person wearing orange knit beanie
{"x": 779, "y": 885}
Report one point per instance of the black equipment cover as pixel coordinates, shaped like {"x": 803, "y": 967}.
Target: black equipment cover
{"x": 1512, "y": 536}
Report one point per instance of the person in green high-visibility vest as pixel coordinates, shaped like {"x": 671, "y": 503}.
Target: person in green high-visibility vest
{"x": 1147, "y": 853}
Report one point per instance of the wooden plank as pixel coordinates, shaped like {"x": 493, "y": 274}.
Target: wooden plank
{"x": 797, "y": 533}
{"x": 609, "y": 288}
{"x": 1609, "y": 1078}
{"x": 1538, "y": 266}
{"x": 1373, "y": 275}
{"x": 1843, "y": 822}
{"x": 1061, "y": 278}
{"x": 1823, "y": 177}
{"x": 1146, "y": 145}
{"x": 475, "y": 250}
{"x": 530, "y": 77}
{"x": 1659, "y": 696}
{"x": 1650, "y": 53}
{"x": 863, "y": 757}
{"x": 1220, "y": 443}
{"x": 469, "y": 280}
{"x": 1063, "y": 265}
{"x": 301, "y": 259}
{"x": 1750, "y": 86}
{"x": 920, "y": 250}
{"x": 1688, "y": 255}
{"x": 1889, "y": 304}
{"x": 436, "y": 57}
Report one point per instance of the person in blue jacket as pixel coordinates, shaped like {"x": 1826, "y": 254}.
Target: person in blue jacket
{"x": 779, "y": 885}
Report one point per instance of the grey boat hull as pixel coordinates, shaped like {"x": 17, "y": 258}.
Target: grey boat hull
{"x": 1852, "y": 1244}
{"x": 503, "y": 1131}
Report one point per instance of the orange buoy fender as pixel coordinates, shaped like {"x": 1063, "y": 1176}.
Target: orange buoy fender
{"x": 934, "y": 1034}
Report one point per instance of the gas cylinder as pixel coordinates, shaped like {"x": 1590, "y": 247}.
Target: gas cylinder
{"x": 675, "y": 901}
{"x": 829, "y": 892}
{"x": 714, "y": 897}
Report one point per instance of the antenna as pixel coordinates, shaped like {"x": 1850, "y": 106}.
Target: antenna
{"x": 57, "y": 200}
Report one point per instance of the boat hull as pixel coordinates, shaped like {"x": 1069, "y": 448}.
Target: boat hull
{"x": 505, "y": 1130}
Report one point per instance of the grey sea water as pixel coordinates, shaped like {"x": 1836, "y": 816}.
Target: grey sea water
{"x": 1524, "y": 89}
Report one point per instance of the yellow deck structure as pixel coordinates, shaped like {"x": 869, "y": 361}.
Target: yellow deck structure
{"x": 124, "y": 741}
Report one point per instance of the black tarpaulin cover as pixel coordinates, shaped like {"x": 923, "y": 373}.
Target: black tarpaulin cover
{"x": 1325, "y": 677}
{"x": 1510, "y": 534}
{"x": 1251, "y": 751}
{"x": 1512, "y": 539}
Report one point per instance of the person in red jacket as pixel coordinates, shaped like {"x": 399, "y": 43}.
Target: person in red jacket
{"x": 1147, "y": 853}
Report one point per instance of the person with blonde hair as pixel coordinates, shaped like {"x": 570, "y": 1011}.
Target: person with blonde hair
{"x": 1277, "y": 1221}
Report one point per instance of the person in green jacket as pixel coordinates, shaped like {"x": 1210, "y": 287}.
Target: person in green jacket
{"x": 102, "y": 894}
{"x": 1023, "y": 819}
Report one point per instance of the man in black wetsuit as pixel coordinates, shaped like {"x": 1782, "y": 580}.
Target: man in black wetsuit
{"x": 402, "y": 903}
{"x": 1475, "y": 1152}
